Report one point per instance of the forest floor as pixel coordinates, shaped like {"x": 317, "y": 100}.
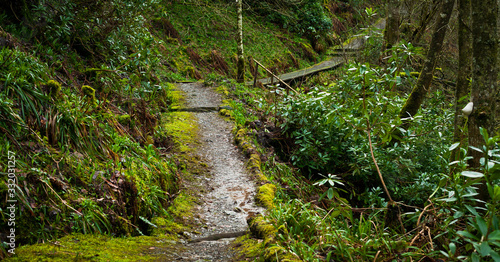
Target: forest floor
{"x": 229, "y": 192}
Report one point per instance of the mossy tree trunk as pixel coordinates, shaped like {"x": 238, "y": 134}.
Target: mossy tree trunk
{"x": 240, "y": 74}
{"x": 484, "y": 76}
{"x": 421, "y": 88}
{"x": 391, "y": 34}
{"x": 464, "y": 70}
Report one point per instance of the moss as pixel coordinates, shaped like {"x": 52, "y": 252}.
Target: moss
{"x": 124, "y": 119}
{"x": 225, "y": 112}
{"x": 265, "y": 250}
{"x": 261, "y": 229}
{"x": 54, "y": 88}
{"x": 79, "y": 247}
{"x": 266, "y": 195}
{"x": 222, "y": 89}
{"x": 89, "y": 93}
{"x": 248, "y": 248}
{"x": 167, "y": 227}
{"x": 414, "y": 74}
{"x": 182, "y": 205}
{"x": 254, "y": 165}
{"x": 279, "y": 253}
{"x": 182, "y": 128}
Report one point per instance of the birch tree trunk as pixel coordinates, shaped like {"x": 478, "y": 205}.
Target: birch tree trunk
{"x": 464, "y": 70}
{"x": 240, "y": 74}
{"x": 421, "y": 88}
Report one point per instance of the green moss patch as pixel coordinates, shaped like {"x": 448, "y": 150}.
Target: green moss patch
{"x": 78, "y": 247}
{"x": 182, "y": 127}
{"x": 266, "y": 194}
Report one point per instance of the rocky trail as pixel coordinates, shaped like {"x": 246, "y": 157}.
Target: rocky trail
{"x": 230, "y": 191}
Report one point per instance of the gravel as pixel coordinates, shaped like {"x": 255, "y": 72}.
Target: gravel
{"x": 230, "y": 191}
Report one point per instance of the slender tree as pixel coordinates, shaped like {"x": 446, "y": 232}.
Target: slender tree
{"x": 464, "y": 69}
{"x": 240, "y": 75}
{"x": 419, "y": 92}
{"x": 484, "y": 76}
{"x": 391, "y": 34}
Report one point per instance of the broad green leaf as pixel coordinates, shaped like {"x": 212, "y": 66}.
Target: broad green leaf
{"x": 495, "y": 256}
{"x": 475, "y": 257}
{"x": 472, "y": 174}
{"x": 482, "y": 225}
{"x": 330, "y": 193}
{"x": 485, "y": 249}
{"x": 453, "y": 247}
{"x": 495, "y": 235}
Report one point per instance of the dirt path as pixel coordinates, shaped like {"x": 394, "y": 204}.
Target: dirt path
{"x": 231, "y": 192}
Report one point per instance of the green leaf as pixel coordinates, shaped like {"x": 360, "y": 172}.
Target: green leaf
{"x": 452, "y": 147}
{"x": 467, "y": 235}
{"x": 476, "y": 149}
{"x": 472, "y": 210}
{"x": 475, "y": 257}
{"x": 485, "y": 249}
{"x": 472, "y": 174}
{"x": 495, "y": 235}
{"x": 482, "y": 225}
{"x": 495, "y": 256}
{"x": 484, "y": 133}
{"x": 453, "y": 248}
{"x": 330, "y": 193}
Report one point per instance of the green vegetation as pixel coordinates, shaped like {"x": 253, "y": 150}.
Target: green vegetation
{"x": 332, "y": 143}
{"x": 86, "y": 89}
{"x": 85, "y": 93}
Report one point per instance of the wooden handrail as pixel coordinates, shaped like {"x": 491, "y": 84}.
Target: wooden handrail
{"x": 281, "y": 81}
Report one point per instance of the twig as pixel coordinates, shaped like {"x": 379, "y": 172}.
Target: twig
{"x": 421, "y": 214}
{"x": 430, "y": 237}
{"x": 62, "y": 200}
{"x": 376, "y": 256}
{"x": 375, "y": 161}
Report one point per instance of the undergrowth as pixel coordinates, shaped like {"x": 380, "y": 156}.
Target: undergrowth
{"x": 330, "y": 203}
{"x": 85, "y": 93}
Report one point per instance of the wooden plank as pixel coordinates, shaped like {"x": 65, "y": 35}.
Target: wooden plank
{"x": 349, "y": 48}
{"x": 325, "y": 65}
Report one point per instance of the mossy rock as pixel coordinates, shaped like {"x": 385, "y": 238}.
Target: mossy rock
{"x": 89, "y": 93}
{"x": 266, "y": 194}
{"x": 53, "y": 88}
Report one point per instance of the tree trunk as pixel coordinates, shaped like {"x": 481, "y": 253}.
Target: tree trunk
{"x": 464, "y": 71}
{"x": 240, "y": 75}
{"x": 391, "y": 34}
{"x": 421, "y": 88}
{"x": 427, "y": 15}
{"x": 484, "y": 76}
